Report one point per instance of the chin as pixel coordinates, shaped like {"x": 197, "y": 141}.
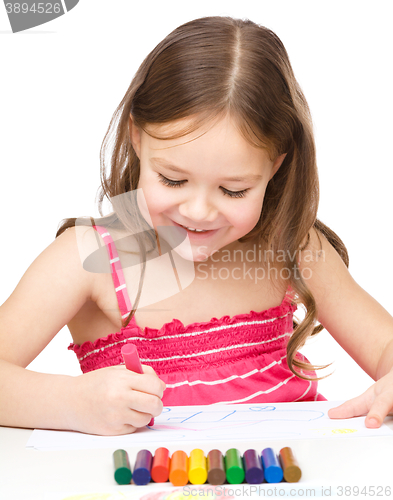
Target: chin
{"x": 189, "y": 254}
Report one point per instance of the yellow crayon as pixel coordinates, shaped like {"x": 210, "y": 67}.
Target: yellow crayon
{"x": 197, "y": 471}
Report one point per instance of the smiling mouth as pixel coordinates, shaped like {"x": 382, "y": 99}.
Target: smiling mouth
{"x": 194, "y": 230}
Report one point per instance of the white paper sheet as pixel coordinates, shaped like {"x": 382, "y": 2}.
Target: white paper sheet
{"x": 238, "y": 422}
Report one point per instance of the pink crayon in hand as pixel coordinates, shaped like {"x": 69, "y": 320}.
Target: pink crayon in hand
{"x": 132, "y": 362}
{"x": 131, "y": 358}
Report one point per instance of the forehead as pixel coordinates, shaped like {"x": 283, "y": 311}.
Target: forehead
{"x": 217, "y": 132}
{"x": 188, "y": 128}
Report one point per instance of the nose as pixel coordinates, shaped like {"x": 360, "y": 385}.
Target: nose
{"x": 198, "y": 209}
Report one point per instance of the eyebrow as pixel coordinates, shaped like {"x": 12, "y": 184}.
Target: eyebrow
{"x": 174, "y": 168}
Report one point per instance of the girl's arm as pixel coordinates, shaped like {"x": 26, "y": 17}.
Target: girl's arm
{"x": 108, "y": 401}
{"x": 357, "y": 322}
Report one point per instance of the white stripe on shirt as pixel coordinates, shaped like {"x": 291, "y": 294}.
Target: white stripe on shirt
{"x": 252, "y": 396}
{"x": 223, "y": 381}
{"x": 188, "y": 334}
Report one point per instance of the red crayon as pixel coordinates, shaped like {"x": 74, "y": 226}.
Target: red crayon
{"x": 132, "y": 362}
{"x": 161, "y": 466}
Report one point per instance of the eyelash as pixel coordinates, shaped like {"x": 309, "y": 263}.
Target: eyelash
{"x": 231, "y": 194}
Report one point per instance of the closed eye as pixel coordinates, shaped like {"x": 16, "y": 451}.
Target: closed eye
{"x": 169, "y": 182}
{"x": 232, "y": 194}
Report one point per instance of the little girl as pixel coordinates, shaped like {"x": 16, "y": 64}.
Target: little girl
{"x": 214, "y": 188}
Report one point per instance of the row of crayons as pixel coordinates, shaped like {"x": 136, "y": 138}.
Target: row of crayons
{"x": 180, "y": 469}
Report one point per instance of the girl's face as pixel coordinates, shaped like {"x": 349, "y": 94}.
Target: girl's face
{"x": 211, "y": 179}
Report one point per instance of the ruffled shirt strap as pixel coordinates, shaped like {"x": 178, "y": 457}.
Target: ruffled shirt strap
{"x": 119, "y": 282}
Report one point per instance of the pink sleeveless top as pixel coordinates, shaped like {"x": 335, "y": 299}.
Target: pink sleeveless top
{"x": 238, "y": 359}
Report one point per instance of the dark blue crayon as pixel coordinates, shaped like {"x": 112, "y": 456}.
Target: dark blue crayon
{"x": 252, "y": 467}
{"x": 271, "y": 466}
{"x": 142, "y": 469}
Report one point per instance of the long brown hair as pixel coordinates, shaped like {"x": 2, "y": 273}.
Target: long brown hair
{"x": 207, "y": 68}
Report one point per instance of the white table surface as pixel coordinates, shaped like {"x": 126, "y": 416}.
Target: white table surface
{"x": 326, "y": 462}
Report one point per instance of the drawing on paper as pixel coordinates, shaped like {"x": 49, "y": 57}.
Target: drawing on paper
{"x": 220, "y": 423}
{"x": 211, "y": 419}
{"x": 328, "y": 431}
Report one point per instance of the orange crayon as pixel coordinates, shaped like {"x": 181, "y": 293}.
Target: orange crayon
{"x": 178, "y": 472}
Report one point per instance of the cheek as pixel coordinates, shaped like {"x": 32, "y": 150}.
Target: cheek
{"x": 152, "y": 190}
{"x": 247, "y": 215}
{"x": 247, "y": 218}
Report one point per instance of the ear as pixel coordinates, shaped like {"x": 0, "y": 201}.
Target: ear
{"x": 277, "y": 164}
{"x": 135, "y": 136}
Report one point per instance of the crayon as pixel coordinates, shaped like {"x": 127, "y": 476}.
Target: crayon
{"x": 197, "y": 472}
{"x": 160, "y": 466}
{"x": 271, "y": 467}
{"x": 178, "y": 472}
{"x": 142, "y": 468}
{"x": 292, "y": 472}
{"x": 215, "y": 467}
{"x": 234, "y": 466}
{"x": 132, "y": 362}
{"x": 252, "y": 467}
{"x": 123, "y": 473}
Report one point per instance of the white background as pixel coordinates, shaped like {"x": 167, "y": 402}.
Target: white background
{"x": 61, "y": 82}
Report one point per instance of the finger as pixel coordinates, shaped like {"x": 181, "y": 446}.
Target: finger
{"x": 145, "y": 368}
{"x": 126, "y": 429}
{"x": 137, "y": 419}
{"x": 148, "y": 383}
{"x": 159, "y": 386}
{"x": 351, "y": 408}
{"x": 149, "y": 370}
{"x": 378, "y": 411}
{"x": 145, "y": 403}
{"x": 117, "y": 431}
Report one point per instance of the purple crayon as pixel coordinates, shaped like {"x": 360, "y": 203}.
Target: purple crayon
{"x": 252, "y": 467}
{"x": 142, "y": 469}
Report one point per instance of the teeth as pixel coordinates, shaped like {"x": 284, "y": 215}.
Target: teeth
{"x": 196, "y": 230}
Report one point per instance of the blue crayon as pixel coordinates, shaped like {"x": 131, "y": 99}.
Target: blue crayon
{"x": 142, "y": 469}
{"x": 271, "y": 466}
{"x": 252, "y": 467}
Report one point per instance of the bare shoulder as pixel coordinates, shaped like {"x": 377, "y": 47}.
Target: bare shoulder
{"x": 66, "y": 254}
{"x": 316, "y": 248}
{"x": 353, "y": 317}
{"x": 49, "y": 294}
{"x": 321, "y": 265}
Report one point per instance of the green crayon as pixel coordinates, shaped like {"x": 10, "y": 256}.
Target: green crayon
{"x": 123, "y": 472}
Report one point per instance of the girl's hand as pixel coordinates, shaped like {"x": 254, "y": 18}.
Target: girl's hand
{"x": 114, "y": 400}
{"x": 377, "y": 402}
